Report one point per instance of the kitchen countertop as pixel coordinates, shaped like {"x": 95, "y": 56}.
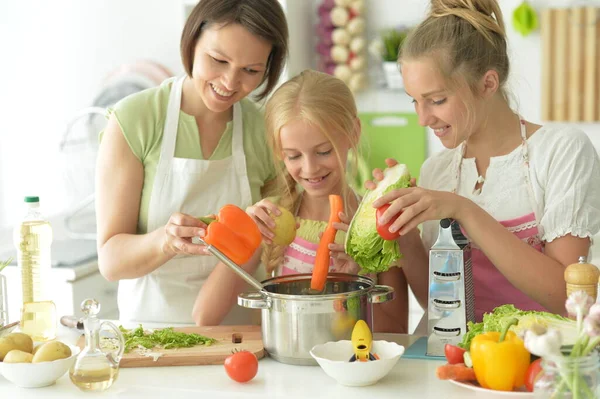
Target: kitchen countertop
{"x": 410, "y": 378}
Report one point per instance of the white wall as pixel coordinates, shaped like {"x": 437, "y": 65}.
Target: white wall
{"x": 55, "y": 55}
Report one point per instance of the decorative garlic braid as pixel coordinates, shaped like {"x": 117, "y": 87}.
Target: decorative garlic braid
{"x": 272, "y": 255}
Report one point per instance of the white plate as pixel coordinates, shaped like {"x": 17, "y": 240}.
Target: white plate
{"x": 475, "y": 387}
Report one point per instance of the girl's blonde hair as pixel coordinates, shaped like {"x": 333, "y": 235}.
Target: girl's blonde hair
{"x": 465, "y": 38}
{"x": 324, "y": 102}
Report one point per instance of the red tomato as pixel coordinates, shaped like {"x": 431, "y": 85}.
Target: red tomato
{"x": 384, "y": 229}
{"x": 454, "y": 354}
{"x": 241, "y": 366}
{"x": 533, "y": 372}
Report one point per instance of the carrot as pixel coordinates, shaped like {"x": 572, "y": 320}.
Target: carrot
{"x": 457, "y": 372}
{"x": 319, "y": 275}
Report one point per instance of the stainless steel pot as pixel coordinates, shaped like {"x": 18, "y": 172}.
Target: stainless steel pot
{"x": 294, "y": 321}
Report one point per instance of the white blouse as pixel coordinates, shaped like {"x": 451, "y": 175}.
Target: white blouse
{"x": 564, "y": 170}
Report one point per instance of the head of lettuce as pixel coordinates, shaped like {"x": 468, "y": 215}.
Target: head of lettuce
{"x": 363, "y": 243}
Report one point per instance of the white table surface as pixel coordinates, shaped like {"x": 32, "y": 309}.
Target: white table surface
{"x": 410, "y": 378}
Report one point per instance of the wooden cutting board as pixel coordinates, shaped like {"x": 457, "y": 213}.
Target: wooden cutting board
{"x": 250, "y": 337}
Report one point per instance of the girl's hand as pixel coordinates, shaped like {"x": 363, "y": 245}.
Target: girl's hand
{"x": 417, "y": 205}
{"x": 261, "y": 213}
{"x": 378, "y": 175}
{"x": 179, "y": 231}
{"x": 342, "y": 262}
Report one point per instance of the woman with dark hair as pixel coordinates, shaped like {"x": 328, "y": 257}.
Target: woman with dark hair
{"x": 182, "y": 150}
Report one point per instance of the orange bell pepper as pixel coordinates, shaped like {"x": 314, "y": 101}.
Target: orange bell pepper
{"x": 234, "y": 233}
{"x": 321, "y": 268}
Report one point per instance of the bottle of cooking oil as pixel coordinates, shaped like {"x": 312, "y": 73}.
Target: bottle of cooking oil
{"x": 96, "y": 369}
{"x": 33, "y": 239}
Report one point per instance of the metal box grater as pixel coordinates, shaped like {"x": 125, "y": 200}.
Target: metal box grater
{"x": 451, "y": 300}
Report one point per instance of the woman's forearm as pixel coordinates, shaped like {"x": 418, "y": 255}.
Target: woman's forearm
{"x": 415, "y": 265}
{"x": 219, "y": 293}
{"x": 392, "y": 316}
{"x": 537, "y": 275}
{"x": 127, "y": 256}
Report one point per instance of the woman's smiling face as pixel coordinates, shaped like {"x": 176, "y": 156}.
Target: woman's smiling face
{"x": 311, "y": 158}
{"x": 229, "y": 63}
{"x": 437, "y": 107}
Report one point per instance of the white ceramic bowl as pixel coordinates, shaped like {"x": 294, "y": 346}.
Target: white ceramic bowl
{"x": 334, "y": 359}
{"x": 37, "y": 375}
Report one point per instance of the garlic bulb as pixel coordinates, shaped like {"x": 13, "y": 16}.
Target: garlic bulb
{"x": 356, "y": 26}
{"x": 340, "y": 36}
{"x": 339, "y": 54}
{"x": 339, "y": 16}
{"x": 343, "y": 72}
{"x": 358, "y": 44}
{"x": 358, "y": 63}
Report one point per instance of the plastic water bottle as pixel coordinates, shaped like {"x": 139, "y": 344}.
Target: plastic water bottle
{"x": 33, "y": 240}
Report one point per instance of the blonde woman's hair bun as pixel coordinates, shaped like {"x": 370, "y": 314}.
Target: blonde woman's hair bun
{"x": 484, "y": 15}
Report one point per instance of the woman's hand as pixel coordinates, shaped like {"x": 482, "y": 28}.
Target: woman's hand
{"x": 342, "y": 262}
{"x": 179, "y": 232}
{"x": 261, "y": 213}
{"x": 378, "y": 175}
{"x": 417, "y": 205}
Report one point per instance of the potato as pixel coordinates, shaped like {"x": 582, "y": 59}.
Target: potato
{"x": 17, "y": 356}
{"x": 50, "y": 351}
{"x": 19, "y": 341}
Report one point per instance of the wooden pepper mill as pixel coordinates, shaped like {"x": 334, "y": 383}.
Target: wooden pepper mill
{"x": 582, "y": 276}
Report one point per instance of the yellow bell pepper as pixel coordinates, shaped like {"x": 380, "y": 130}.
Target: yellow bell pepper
{"x": 500, "y": 360}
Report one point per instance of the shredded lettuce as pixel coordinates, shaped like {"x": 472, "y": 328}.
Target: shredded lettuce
{"x": 363, "y": 243}
{"x": 165, "y": 338}
{"x": 527, "y": 318}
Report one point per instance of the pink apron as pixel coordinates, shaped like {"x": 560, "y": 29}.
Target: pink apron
{"x": 492, "y": 289}
{"x": 299, "y": 256}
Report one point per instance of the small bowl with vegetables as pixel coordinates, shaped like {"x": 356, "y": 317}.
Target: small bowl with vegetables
{"x": 359, "y": 362}
{"x": 334, "y": 359}
{"x": 27, "y": 366}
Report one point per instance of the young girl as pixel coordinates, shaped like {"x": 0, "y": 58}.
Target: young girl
{"x": 312, "y": 124}
{"x": 527, "y": 196}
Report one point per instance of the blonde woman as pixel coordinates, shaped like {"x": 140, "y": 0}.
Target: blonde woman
{"x": 312, "y": 125}
{"x": 526, "y": 196}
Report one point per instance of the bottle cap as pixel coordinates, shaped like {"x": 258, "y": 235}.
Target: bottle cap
{"x": 32, "y": 199}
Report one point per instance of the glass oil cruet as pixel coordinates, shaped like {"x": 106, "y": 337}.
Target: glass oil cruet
{"x": 94, "y": 369}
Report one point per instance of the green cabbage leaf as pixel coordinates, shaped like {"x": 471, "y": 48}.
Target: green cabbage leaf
{"x": 363, "y": 243}
{"x": 497, "y": 319}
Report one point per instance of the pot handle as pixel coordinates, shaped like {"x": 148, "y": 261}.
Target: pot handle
{"x": 254, "y": 300}
{"x": 381, "y": 293}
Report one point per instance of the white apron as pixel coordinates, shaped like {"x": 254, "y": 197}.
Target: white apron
{"x": 194, "y": 187}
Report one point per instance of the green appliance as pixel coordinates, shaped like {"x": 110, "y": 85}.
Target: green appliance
{"x": 389, "y": 135}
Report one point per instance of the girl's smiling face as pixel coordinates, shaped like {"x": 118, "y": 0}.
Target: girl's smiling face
{"x": 311, "y": 158}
